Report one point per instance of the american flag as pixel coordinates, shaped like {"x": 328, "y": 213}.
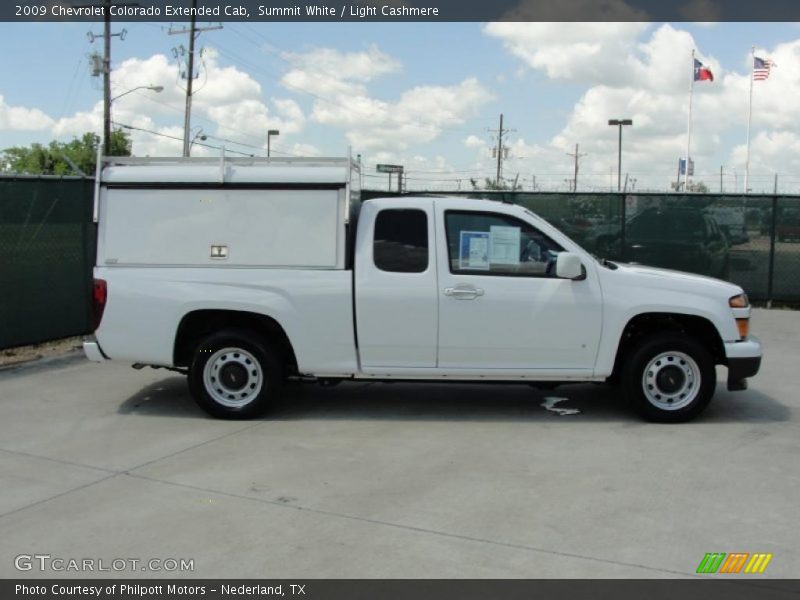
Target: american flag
{"x": 761, "y": 68}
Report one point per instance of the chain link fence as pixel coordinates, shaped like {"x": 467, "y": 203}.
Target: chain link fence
{"x": 47, "y": 243}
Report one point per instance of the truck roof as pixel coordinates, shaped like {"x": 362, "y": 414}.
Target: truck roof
{"x": 314, "y": 171}
{"x": 450, "y": 201}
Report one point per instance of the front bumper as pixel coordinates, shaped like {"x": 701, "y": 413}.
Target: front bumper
{"x": 93, "y": 351}
{"x": 744, "y": 360}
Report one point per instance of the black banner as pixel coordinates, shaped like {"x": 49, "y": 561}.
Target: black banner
{"x": 400, "y": 10}
{"x": 696, "y": 589}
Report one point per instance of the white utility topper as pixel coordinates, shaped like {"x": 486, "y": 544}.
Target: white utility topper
{"x": 242, "y": 272}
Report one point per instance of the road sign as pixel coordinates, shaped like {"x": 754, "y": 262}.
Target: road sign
{"x": 389, "y": 168}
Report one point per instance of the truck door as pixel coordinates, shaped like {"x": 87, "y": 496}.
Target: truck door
{"x": 501, "y": 305}
{"x": 395, "y": 284}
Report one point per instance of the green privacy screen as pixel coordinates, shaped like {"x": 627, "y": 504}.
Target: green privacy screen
{"x": 46, "y": 255}
{"x": 753, "y": 241}
{"x": 47, "y": 243}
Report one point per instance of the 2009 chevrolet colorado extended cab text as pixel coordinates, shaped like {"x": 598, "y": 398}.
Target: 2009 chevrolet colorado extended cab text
{"x": 242, "y": 272}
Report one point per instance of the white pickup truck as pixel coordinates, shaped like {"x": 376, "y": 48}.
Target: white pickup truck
{"x": 243, "y": 272}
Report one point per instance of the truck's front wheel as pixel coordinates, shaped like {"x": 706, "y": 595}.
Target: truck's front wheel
{"x": 669, "y": 378}
{"x": 234, "y": 375}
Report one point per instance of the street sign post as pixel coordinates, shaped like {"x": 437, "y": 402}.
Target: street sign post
{"x": 392, "y": 169}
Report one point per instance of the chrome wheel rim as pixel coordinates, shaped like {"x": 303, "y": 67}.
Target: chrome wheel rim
{"x": 671, "y": 380}
{"x": 233, "y": 377}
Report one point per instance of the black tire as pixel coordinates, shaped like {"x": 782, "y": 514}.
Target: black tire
{"x": 235, "y": 375}
{"x": 669, "y": 378}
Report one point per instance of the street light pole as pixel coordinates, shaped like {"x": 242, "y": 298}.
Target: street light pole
{"x": 197, "y": 136}
{"x": 270, "y": 133}
{"x": 619, "y": 123}
{"x": 156, "y": 88}
{"x": 107, "y": 125}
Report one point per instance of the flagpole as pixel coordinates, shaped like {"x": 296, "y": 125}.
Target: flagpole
{"x": 749, "y": 120}
{"x": 689, "y": 131}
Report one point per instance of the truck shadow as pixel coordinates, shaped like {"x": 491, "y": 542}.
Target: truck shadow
{"x": 170, "y": 397}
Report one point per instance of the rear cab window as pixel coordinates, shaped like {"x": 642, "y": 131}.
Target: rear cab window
{"x": 400, "y": 242}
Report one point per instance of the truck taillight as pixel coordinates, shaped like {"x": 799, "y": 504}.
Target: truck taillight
{"x": 99, "y": 296}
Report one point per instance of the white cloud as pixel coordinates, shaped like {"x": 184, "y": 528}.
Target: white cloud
{"x": 327, "y": 64}
{"x": 338, "y": 81}
{"x": 583, "y": 52}
{"x": 227, "y": 103}
{"x": 417, "y": 117}
{"x": 80, "y": 122}
{"x": 770, "y": 152}
{"x": 146, "y": 144}
{"x": 473, "y": 141}
{"x": 21, "y": 118}
{"x": 648, "y": 80}
{"x": 301, "y": 149}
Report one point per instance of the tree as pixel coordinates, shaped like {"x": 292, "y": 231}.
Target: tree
{"x": 59, "y": 158}
{"x": 699, "y": 187}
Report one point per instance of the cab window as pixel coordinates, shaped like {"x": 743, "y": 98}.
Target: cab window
{"x": 401, "y": 241}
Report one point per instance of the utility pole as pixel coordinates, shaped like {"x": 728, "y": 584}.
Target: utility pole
{"x": 720, "y": 179}
{"x": 500, "y": 149}
{"x": 107, "y": 79}
{"x": 106, "y": 68}
{"x": 577, "y": 157}
{"x": 193, "y": 32}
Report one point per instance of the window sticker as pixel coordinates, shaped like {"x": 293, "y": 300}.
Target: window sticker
{"x": 474, "y": 250}
{"x": 504, "y": 245}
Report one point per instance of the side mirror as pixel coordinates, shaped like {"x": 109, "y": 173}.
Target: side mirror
{"x": 568, "y": 266}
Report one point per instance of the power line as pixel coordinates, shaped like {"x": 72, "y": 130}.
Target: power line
{"x": 180, "y": 139}
{"x": 193, "y": 32}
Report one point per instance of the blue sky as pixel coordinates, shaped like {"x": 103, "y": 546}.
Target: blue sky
{"x": 470, "y": 71}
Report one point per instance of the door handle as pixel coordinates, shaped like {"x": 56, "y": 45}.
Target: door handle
{"x": 463, "y": 293}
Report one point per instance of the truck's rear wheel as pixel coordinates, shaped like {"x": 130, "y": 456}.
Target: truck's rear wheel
{"x": 669, "y": 378}
{"x": 234, "y": 375}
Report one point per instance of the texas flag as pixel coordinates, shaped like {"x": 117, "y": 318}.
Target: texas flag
{"x": 702, "y": 72}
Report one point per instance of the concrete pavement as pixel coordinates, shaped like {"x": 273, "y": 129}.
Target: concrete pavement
{"x": 397, "y": 480}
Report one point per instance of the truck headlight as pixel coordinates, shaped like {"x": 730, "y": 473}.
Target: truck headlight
{"x": 740, "y": 301}
{"x": 742, "y": 323}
